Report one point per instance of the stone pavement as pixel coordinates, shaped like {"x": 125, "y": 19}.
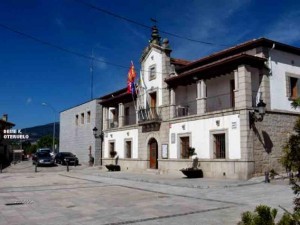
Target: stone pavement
{"x": 88, "y": 195}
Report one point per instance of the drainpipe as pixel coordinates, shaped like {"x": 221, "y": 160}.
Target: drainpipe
{"x": 270, "y": 61}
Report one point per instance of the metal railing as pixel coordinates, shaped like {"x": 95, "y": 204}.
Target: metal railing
{"x": 149, "y": 114}
{"x": 113, "y": 123}
{"x": 219, "y": 102}
{"x": 186, "y": 109}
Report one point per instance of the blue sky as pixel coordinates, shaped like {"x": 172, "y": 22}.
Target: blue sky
{"x": 32, "y": 73}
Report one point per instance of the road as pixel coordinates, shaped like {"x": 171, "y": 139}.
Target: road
{"x": 88, "y": 195}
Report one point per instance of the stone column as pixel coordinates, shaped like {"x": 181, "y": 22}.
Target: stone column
{"x": 105, "y": 117}
{"x": 172, "y": 103}
{"x": 265, "y": 88}
{"x": 201, "y": 97}
{"x": 121, "y": 115}
{"x": 243, "y": 100}
{"x": 243, "y": 97}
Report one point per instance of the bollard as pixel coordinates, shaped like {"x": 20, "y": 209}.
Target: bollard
{"x": 267, "y": 179}
{"x": 35, "y": 168}
{"x": 67, "y": 166}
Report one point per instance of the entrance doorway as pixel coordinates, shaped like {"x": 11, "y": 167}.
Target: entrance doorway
{"x": 153, "y": 151}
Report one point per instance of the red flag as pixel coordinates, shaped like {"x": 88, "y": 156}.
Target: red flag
{"x": 131, "y": 73}
{"x": 130, "y": 79}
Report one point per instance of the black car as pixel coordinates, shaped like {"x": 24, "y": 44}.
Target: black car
{"x": 43, "y": 158}
{"x": 66, "y": 157}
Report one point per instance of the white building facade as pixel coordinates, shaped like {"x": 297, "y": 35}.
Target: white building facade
{"x": 76, "y": 131}
{"x": 207, "y": 105}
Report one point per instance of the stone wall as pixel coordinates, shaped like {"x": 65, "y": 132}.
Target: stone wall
{"x": 269, "y": 137}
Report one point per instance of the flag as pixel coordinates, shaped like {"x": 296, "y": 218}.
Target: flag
{"x": 142, "y": 83}
{"x": 130, "y": 87}
{"x": 130, "y": 79}
{"x": 131, "y": 73}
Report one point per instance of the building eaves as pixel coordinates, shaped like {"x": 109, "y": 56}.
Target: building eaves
{"x": 243, "y": 47}
{"x": 6, "y": 123}
{"x": 120, "y": 96}
{"x": 215, "y": 69}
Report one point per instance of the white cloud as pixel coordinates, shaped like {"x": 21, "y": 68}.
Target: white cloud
{"x": 208, "y": 23}
{"x": 99, "y": 63}
{"x": 28, "y": 101}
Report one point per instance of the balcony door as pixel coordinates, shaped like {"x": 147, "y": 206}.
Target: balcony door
{"x": 153, "y": 113}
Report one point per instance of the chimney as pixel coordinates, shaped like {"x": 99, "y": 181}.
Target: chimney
{"x": 5, "y": 117}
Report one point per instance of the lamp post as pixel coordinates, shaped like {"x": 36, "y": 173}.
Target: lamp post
{"x": 54, "y": 112}
{"x": 258, "y": 114}
{"x": 101, "y": 135}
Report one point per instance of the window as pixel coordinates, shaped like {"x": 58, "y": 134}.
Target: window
{"x": 292, "y": 86}
{"x": 219, "y": 146}
{"x": 88, "y": 116}
{"x": 152, "y": 72}
{"x": 76, "y": 120}
{"x": 184, "y": 147}
{"x": 128, "y": 149}
{"x": 82, "y": 118}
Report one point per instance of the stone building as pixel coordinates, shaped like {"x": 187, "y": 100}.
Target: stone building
{"x": 76, "y": 131}
{"x": 209, "y": 104}
{"x": 5, "y": 145}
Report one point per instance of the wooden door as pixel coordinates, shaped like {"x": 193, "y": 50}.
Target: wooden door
{"x": 185, "y": 144}
{"x": 153, "y": 105}
{"x": 153, "y": 154}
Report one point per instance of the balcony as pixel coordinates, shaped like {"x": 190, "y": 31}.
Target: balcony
{"x": 219, "y": 102}
{"x": 186, "y": 109}
{"x": 149, "y": 115}
{"x": 113, "y": 123}
{"x": 129, "y": 120}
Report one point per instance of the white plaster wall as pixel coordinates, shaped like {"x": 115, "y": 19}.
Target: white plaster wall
{"x": 280, "y": 64}
{"x": 119, "y": 138}
{"x": 154, "y": 57}
{"x": 77, "y": 138}
{"x": 200, "y": 136}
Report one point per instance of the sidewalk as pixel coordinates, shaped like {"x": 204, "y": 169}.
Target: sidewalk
{"x": 177, "y": 180}
{"x": 149, "y": 176}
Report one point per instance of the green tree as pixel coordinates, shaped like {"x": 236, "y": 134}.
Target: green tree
{"x": 262, "y": 215}
{"x": 46, "y": 142}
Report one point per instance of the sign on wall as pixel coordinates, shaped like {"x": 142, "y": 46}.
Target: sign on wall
{"x": 164, "y": 151}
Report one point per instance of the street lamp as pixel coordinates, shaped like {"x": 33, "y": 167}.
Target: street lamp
{"x": 258, "y": 114}
{"x": 54, "y": 112}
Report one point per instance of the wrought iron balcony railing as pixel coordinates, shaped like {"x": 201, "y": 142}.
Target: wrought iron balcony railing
{"x": 152, "y": 114}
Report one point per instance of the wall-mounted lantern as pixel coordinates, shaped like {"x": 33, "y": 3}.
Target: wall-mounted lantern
{"x": 258, "y": 114}
{"x": 95, "y": 133}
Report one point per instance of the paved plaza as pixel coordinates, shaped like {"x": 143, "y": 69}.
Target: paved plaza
{"x": 89, "y": 195}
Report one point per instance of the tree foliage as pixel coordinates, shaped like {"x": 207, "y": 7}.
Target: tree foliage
{"x": 46, "y": 142}
{"x": 262, "y": 215}
{"x": 291, "y": 161}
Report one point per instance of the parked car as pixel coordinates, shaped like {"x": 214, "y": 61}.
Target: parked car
{"x": 43, "y": 158}
{"x": 46, "y": 150}
{"x": 64, "y": 157}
